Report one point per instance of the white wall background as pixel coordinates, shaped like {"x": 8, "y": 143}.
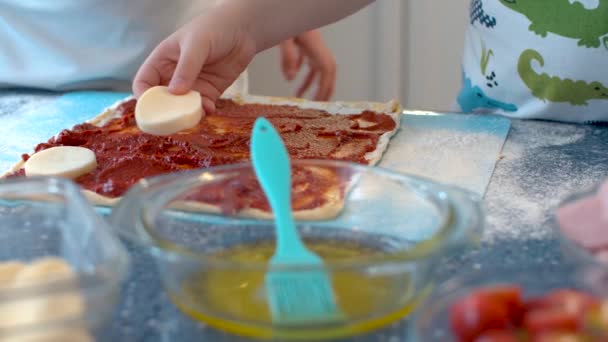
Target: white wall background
{"x": 404, "y": 49}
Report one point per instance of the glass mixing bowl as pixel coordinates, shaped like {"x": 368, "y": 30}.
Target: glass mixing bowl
{"x": 46, "y": 227}
{"x": 379, "y": 233}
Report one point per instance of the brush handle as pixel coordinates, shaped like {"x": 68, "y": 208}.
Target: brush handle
{"x": 273, "y": 170}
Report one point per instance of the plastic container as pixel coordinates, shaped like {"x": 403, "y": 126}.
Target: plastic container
{"x": 379, "y": 246}
{"x": 44, "y": 219}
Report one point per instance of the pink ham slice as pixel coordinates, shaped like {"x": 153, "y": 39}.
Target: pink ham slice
{"x": 603, "y": 195}
{"x": 583, "y": 222}
{"x": 602, "y": 256}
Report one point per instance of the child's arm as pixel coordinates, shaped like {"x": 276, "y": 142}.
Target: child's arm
{"x": 211, "y": 51}
{"x": 272, "y": 21}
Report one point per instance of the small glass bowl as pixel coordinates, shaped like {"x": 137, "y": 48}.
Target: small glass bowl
{"x": 49, "y": 219}
{"x": 432, "y": 320}
{"x": 379, "y": 243}
{"x": 572, "y": 250}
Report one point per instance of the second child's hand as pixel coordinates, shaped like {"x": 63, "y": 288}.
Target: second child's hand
{"x": 309, "y": 49}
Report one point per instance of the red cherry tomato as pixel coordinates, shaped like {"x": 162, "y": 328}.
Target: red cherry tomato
{"x": 498, "y": 336}
{"x": 506, "y": 293}
{"x": 474, "y": 314}
{"x": 499, "y": 314}
{"x": 510, "y": 295}
{"x": 535, "y": 303}
{"x": 561, "y": 337}
{"x": 550, "y": 319}
{"x": 572, "y": 301}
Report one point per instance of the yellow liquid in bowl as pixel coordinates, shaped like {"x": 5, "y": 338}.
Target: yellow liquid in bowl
{"x": 235, "y": 301}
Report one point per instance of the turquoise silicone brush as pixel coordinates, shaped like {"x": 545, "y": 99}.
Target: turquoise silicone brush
{"x": 301, "y": 296}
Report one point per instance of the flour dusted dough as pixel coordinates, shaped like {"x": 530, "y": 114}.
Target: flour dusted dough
{"x": 61, "y": 161}
{"x": 159, "y": 112}
{"x": 335, "y": 200}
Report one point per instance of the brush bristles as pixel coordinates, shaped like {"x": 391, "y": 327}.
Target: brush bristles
{"x": 301, "y": 298}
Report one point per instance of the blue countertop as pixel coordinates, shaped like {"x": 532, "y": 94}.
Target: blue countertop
{"x": 541, "y": 163}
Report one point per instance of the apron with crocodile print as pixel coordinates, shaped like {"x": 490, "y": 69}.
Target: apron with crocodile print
{"x": 537, "y": 59}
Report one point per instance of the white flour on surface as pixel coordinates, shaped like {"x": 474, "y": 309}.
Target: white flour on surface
{"x": 534, "y": 176}
{"x": 26, "y": 122}
{"x": 12, "y": 103}
{"x": 539, "y": 134}
{"x": 461, "y": 158}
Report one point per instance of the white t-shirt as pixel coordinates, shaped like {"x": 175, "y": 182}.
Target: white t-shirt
{"x": 542, "y": 59}
{"x": 80, "y": 44}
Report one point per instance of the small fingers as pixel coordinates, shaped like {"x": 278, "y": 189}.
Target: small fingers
{"x": 312, "y": 73}
{"x": 301, "y": 57}
{"x": 327, "y": 82}
{"x": 290, "y": 59}
{"x": 208, "y": 105}
{"x": 191, "y": 61}
{"x": 320, "y": 58}
{"x": 325, "y": 63}
{"x": 143, "y": 82}
{"x": 210, "y": 94}
{"x": 150, "y": 73}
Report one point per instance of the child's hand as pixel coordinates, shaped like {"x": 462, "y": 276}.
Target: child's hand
{"x": 209, "y": 53}
{"x": 206, "y": 55}
{"x": 310, "y": 47}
